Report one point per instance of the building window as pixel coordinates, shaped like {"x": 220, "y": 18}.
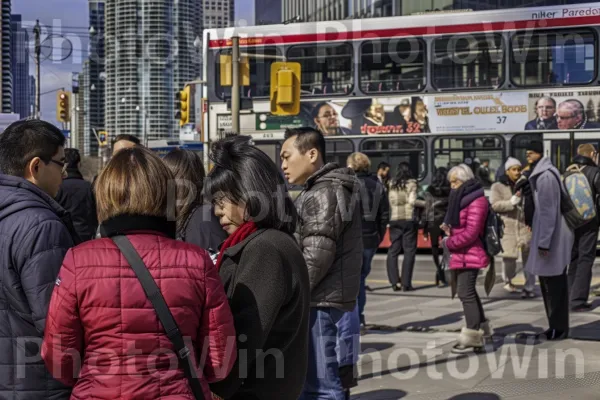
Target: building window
{"x": 392, "y": 66}
{"x": 553, "y": 58}
{"x": 326, "y": 69}
{"x": 468, "y": 61}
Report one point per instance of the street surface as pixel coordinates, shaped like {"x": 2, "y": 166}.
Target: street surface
{"x": 406, "y": 352}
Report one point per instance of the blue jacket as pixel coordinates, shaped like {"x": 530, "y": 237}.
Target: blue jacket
{"x": 35, "y": 234}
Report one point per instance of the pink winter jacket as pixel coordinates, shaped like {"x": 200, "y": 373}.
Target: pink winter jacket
{"x": 464, "y": 243}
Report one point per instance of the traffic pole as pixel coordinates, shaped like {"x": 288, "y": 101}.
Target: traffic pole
{"x": 235, "y": 84}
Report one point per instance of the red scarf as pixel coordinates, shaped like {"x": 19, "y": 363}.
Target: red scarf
{"x": 245, "y": 230}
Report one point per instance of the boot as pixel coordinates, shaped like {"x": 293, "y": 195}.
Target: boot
{"x": 469, "y": 340}
{"x": 488, "y": 332}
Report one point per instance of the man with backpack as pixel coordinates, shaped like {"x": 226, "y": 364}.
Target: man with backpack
{"x": 584, "y": 179}
{"x": 552, "y": 241}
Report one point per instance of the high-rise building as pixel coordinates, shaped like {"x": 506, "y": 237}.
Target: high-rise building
{"x": 96, "y": 77}
{"x": 217, "y": 13}
{"x": 20, "y": 68}
{"x": 5, "y": 54}
{"x": 264, "y": 12}
{"x": 139, "y": 68}
{"x": 31, "y": 94}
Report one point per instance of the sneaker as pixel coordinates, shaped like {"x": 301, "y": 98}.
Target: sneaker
{"x": 510, "y": 288}
{"x": 583, "y": 308}
{"x": 527, "y": 294}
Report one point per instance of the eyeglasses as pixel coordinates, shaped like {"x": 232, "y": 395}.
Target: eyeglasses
{"x": 62, "y": 165}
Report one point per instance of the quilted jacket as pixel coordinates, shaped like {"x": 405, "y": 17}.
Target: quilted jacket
{"x": 330, "y": 235}
{"x": 99, "y": 311}
{"x": 35, "y": 234}
{"x": 402, "y": 201}
{"x": 464, "y": 243}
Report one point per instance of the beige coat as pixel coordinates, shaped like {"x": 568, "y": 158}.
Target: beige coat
{"x": 403, "y": 201}
{"x": 516, "y": 233}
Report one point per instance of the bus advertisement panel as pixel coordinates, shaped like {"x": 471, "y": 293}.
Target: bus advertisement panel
{"x": 444, "y": 113}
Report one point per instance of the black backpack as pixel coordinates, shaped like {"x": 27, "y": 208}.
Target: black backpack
{"x": 493, "y": 233}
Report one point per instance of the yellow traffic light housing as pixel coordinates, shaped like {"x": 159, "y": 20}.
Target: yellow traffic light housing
{"x": 226, "y": 70}
{"x": 185, "y": 101}
{"x": 285, "y": 88}
{"x": 103, "y": 137}
{"x": 63, "y": 106}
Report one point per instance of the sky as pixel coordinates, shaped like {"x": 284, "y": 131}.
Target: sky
{"x": 71, "y": 19}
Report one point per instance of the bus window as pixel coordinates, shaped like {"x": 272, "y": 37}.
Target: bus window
{"x": 395, "y": 65}
{"x": 553, "y": 58}
{"x": 260, "y": 74}
{"x": 395, "y": 151}
{"x": 519, "y": 143}
{"x": 338, "y": 151}
{"x": 326, "y": 69}
{"x": 471, "y": 61}
{"x": 477, "y": 151}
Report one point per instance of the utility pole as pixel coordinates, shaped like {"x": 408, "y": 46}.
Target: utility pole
{"x": 38, "y": 50}
{"x": 235, "y": 84}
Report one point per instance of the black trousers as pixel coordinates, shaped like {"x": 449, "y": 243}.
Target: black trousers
{"x": 466, "y": 280}
{"x": 556, "y": 300}
{"x": 435, "y": 235}
{"x": 582, "y": 261}
{"x": 403, "y": 235}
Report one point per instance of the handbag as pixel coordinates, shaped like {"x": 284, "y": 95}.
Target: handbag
{"x": 162, "y": 310}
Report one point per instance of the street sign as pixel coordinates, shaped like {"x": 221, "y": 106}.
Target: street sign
{"x": 67, "y": 133}
{"x": 268, "y": 122}
{"x": 224, "y": 122}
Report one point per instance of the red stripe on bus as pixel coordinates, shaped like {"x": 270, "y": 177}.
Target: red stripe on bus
{"x": 416, "y": 31}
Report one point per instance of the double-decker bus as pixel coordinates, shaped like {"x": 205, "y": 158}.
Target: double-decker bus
{"x": 433, "y": 90}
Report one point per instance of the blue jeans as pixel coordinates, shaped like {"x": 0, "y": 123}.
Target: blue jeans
{"x": 322, "y": 378}
{"x": 348, "y": 347}
{"x": 368, "y": 255}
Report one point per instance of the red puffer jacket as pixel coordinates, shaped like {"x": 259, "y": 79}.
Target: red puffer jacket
{"x": 464, "y": 243}
{"x": 99, "y": 310}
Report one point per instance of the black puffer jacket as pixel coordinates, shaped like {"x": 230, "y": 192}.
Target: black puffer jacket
{"x": 330, "y": 235}
{"x": 375, "y": 209}
{"x": 76, "y": 195}
{"x": 35, "y": 234}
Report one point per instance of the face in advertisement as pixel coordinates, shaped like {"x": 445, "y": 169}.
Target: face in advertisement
{"x": 546, "y": 108}
{"x": 326, "y": 119}
{"x": 376, "y": 113}
{"x": 420, "y": 112}
{"x": 570, "y": 114}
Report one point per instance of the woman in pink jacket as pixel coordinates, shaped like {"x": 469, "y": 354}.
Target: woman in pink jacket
{"x": 465, "y": 226}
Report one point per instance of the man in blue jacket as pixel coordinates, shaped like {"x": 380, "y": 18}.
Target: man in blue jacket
{"x": 35, "y": 234}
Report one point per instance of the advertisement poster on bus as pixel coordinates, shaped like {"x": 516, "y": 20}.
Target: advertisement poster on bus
{"x": 565, "y": 110}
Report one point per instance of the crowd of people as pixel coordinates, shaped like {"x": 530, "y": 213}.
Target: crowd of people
{"x": 160, "y": 280}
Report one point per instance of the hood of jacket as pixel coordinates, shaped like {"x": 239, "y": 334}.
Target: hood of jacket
{"x": 18, "y": 194}
{"x": 333, "y": 173}
{"x": 545, "y": 164}
{"x": 439, "y": 191}
{"x": 74, "y": 174}
{"x": 367, "y": 175}
{"x": 583, "y": 160}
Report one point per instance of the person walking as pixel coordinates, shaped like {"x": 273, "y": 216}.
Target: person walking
{"x": 464, "y": 225}
{"x": 586, "y": 237}
{"x": 196, "y": 220}
{"x": 375, "y": 218}
{"x": 403, "y": 228}
{"x": 264, "y": 273}
{"x": 551, "y": 242}
{"x": 330, "y": 235}
{"x": 99, "y": 306}
{"x": 35, "y": 234}
{"x": 436, "y": 206}
{"x": 508, "y": 203}
{"x": 76, "y": 195}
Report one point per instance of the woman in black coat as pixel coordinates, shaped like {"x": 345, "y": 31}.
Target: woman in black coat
{"x": 436, "y": 207}
{"x": 263, "y": 271}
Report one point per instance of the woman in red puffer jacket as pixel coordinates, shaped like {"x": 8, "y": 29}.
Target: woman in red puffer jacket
{"x": 99, "y": 317}
{"x": 465, "y": 226}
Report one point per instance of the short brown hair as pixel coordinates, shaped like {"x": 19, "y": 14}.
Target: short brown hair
{"x": 359, "y": 162}
{"x": 586, "y": 150}
{"x": 136, "y": 182}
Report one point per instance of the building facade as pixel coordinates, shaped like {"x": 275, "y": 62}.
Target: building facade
{"x": 328, "y": 10}
{"x": 96, "y": 77}
{"x": 20, "y": 68}
{"x": 5, "y": 54}
{"x": 31, "y": 89}
{"x": 267, "y": 12}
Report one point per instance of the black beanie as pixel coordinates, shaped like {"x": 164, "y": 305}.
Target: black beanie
{"x": 535, "y": 146}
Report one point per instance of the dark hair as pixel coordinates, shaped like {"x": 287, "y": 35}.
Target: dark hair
{"x": 186, "y": 165}
{"x": 244, "y": 174}
{"x": 403, "y": 175}
{"x": 129, "y": 138}
{"x": 383, "y": 165}
{"x": 439, "y": 183}
{"x": 24, "y": 140}
{"x": 317, "y": 109}
{"x": 72, "y": 158}
{"x": 306, "y": 139}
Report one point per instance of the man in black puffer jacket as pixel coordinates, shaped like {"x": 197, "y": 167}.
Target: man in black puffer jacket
{"x": 330, "y": 235}
{"x": 35, "y": 234}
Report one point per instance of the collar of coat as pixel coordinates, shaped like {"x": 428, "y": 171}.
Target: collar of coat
{"x": 234, "y": 250}
{"x": 73, "y": 174}
{"x": 128, "y": 223}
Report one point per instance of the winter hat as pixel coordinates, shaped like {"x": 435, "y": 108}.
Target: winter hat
{"x": 536, "y": 146}
{"x": 511, "y": 162}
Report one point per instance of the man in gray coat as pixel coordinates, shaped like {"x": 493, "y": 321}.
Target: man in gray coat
{"x": 551, "y": 244}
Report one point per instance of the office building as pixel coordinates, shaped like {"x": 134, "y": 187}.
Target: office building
{"x": 5, "y": 62}
{"x": 263, "y": 12}
{"x": 95, "y": 78}
{"x": 31, "y": 89}
{"x": 20, "y": 68}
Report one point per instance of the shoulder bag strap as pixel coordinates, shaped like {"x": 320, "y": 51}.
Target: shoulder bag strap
{"x": 162, "y": 310}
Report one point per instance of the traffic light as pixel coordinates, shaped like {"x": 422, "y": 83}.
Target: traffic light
{"x": 226, "y": 70}
{"x": 285, "y": 88}
{"x": 63, "y": 106}
{"x": 185, "y": 102}
{"x": 103, "y": 136}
